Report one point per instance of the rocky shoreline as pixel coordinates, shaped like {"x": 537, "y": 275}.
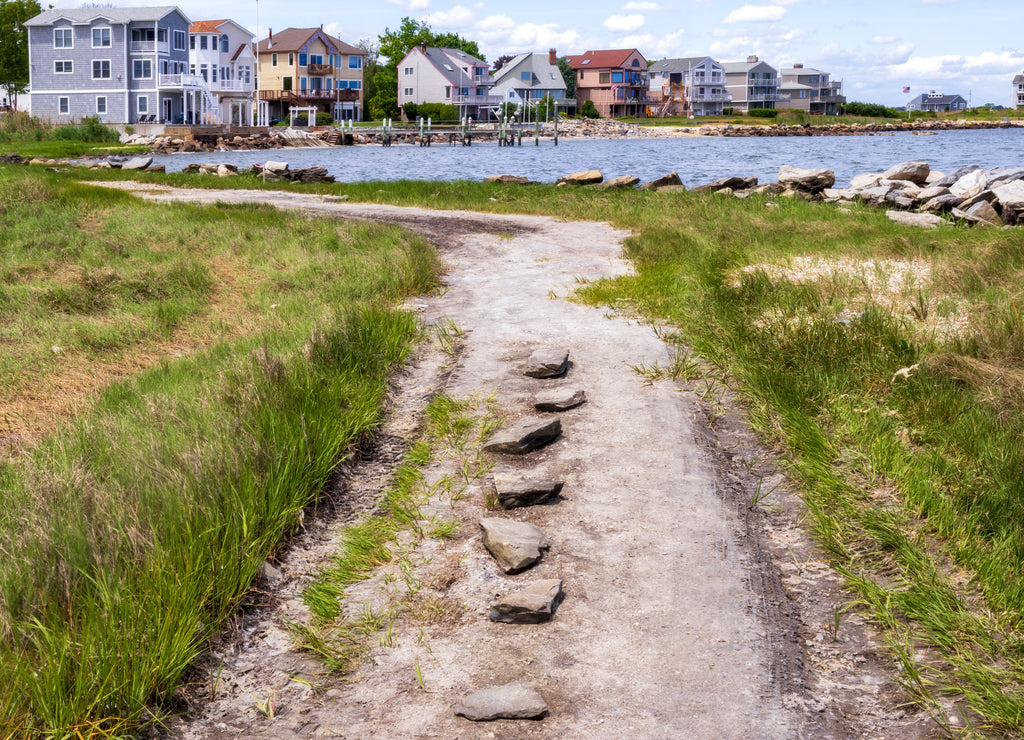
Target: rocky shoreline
{"x": 582, "y": 128}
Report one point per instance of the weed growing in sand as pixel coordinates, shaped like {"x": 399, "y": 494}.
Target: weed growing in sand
{"x": 451, "y": 431}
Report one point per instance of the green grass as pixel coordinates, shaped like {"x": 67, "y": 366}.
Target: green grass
{"x": 142, "y": 512}
{"x": 911, "y": 481}
{"x": 31, "y": 137}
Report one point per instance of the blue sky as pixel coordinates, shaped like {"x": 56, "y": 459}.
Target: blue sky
{"x": 876, "y": 47}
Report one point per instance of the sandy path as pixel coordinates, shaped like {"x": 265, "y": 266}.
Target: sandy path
{"x": 678, "y": 622}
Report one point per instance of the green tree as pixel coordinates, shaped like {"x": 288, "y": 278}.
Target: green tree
{"x": 370, "y": 64}
{"x": 14, "y": 46}
{"x": 569, "y": 75}
{"x": 394, "y": 45}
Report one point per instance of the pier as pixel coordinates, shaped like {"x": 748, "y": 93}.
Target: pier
{"x": 425, "y": 133}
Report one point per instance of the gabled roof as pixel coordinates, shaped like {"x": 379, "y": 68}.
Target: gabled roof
{"x": 603, "y": 59}
{"x": 447, "y": 62}
{"x": 543, "y": 74}
{"x": 797, "y": 71}
{"x": 937, "y": 99}
{"x": 678, "y": 65}
{"x": 113, "y": 15}
{"x": 294, "y": 39}
{"x": 734, "y": 67}
{"x": 206, "y": 26}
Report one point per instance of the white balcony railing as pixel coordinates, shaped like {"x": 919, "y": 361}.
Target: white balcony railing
{"x": 147, "y": 47}
{"x": 474, "y": 99}
{"x": 180, "y": 81}
{"x": 711, "y": 97}
{"x": 230, "y": 86}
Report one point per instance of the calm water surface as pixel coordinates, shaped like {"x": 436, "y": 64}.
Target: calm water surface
{"x": 698, "y": 160}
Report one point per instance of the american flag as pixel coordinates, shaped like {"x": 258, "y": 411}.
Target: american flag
{"x": 906, "y": 89}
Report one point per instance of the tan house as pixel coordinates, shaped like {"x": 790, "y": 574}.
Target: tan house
{"x": 811, "y": 90}
{"x": 614, "y": 80}
{"x": 306, "y": 67}
{"x": 753, "y": 84}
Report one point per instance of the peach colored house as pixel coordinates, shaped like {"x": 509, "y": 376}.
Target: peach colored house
{"x": 614, "y": 80}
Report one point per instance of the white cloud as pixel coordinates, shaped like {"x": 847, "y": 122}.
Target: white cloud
{"x": 624, "y": 23}
{"x": 459, "y": 17}
{"x": 643, "y": 7}
{"x": 413, "y": 5}
{"x": 883, "y": 40}
{"x": 937, "y": 2}
{"x": 499, "y": 34}
{"x": 755, "y": 14}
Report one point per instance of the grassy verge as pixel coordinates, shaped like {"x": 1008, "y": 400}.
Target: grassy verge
{"x": 387, "y": 545}
{"x": 30, "y": 137}
{"x": 204, "y": 370}
{"x": 887, "y": 362}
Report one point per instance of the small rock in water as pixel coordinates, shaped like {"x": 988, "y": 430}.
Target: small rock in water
{"x": 525, "y": 436}
{"x": 515, "y": 545}
{"x": 559, "y": 400}
{"x": 514, "y": 491}
{"x": 516, "y": 700}
{"x": 547, "y": 363}
{"x": 532, "y": 605}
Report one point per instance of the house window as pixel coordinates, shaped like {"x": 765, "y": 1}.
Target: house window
{"x": 192, "y": 42}
{"x": 142, "y": 69}
{"x": 179, "y": 40}
{"x": 63, "y": 105}
{"x": 286, "y": 83}
{"x": 302, "y": 83}
{"x": 407, "y": 92}
{"x": 616, "y": 76}
{"x": 355, "y": 62}
{"x": 161, "y": 35}
{"x": 204, "y": 70}
{"x": 224, "y": 43}
{"x": 101, "y": 105}
{"x": 214, "y": 73}
{"x": 244, "y": 73}
{"x": 143, "y": 105}
{"x": 204, "y": 42}
{"x": 447, "y": 92}
{"x": 303, "y": 60}
{"x": 409, "y": 70}
{"x": 291, "y": 59}
{"x": 603, "y": 78}
{"x": 62, "y": 38}
{"x": 525, "y": 76}
{"x": 62, "y": 67}
{"x": 636, "y": 62}
{"x": 191, "y": 69}
{"x": 100, "y": 37}
{"x": 101, "y": 69}
{"x": 273, "y": 60}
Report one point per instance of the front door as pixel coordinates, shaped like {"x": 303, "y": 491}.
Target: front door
{"x": 167, "y": 109}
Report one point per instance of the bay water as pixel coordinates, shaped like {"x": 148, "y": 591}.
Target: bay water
{"x": 697, "y": 159}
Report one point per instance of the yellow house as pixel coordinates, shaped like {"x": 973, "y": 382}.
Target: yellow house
{"x": 306, "y": 67}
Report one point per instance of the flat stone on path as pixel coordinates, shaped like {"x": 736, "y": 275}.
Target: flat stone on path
{"x": 516, "y": 700}
{"x": 923, "y": 220}
{"x": 516, "y": 491}
{"x": 524, "y": 436}
{"x": 559, "y": 400}
{"x": 547, "y": 363}
{"x": 515, "y": 545}
{"x": 532, "y": 605}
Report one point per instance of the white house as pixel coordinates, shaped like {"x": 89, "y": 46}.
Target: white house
{"x": 221, "y": 53}
{"x": 529, "y": 78}
{"x": 429, "y": 74}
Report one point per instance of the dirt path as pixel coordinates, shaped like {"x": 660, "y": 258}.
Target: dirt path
{"x": 688, "y": 614}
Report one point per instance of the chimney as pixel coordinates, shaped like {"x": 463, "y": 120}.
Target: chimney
{"x": 798, "y": 66}
{"x": 423, "y": 48}
{"x": 751, "y": 59}
{"x": 552, "y": 57}
{"x": 270, "y": 39}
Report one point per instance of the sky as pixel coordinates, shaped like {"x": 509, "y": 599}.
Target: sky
{"x": 876, "y": 48}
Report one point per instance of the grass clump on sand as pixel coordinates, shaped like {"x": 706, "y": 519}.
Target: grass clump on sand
{"x": 244, "y": 352}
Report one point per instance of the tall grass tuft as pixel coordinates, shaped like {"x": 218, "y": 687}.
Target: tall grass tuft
{"x": 140, "y": 523}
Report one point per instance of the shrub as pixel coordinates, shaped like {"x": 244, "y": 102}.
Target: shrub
{"x": 763, "y": 113}
{"x": 438, "y": 112}
{"x": 873, "y": 110}
{"x": 410, "y": 111}
{"x": 727, "y": 111}
{"x": 324, "y": 119}
{"x": 587, "y": 110}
